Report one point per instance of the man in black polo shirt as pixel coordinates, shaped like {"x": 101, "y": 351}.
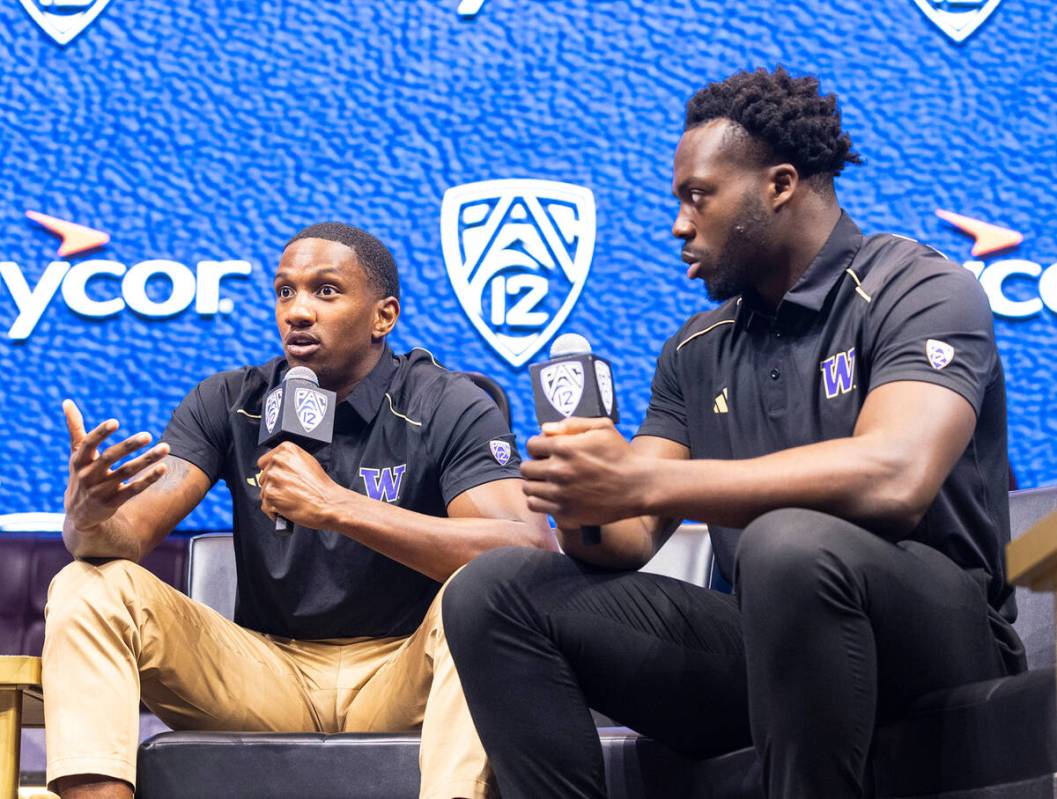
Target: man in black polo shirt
{"x": 839, "y": 422}
{"x": 337, "y": 625}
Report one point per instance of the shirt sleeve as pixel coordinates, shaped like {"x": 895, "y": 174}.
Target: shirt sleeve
{"x": 666, "y": 414}
{"x": 935, "y": 329}
{"x": 198, "y": 430}
{"x": 470, "y": 440}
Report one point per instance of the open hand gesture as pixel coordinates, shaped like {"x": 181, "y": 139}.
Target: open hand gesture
{"x": 95, "y": 491}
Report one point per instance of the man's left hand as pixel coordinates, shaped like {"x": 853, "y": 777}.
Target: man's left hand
{"x": 584, "y": 472}
{"x": 293, "y": 485}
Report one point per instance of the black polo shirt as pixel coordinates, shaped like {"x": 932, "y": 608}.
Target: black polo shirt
{"x": 738, "y": 383}
{"x": 412, "y": 434}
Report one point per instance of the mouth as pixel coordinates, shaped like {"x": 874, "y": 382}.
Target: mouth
{"x": 694, "y": 260}
{"x": 301, "y": 345}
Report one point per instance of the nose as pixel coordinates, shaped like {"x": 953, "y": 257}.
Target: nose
{"x": 681, "y": 228}
{"x": 300, "y": 311}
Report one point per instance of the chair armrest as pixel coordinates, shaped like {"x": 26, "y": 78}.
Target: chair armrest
{"x": 1031, "y": 559}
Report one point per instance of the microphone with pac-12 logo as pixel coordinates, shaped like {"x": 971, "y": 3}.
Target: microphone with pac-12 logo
{"x": 574, "y": 382}
{"x": 297, "y": 410}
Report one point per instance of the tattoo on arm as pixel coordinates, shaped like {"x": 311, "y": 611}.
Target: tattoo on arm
{"x": 176, "y": 469}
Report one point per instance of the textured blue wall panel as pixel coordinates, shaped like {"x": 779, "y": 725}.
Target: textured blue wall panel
{"x": 201, "y": 130}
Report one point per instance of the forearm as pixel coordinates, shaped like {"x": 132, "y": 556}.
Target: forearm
{"x": 626, "y": 544}
{"x": 435, "y": 546}
{"x": 855, "y": 478}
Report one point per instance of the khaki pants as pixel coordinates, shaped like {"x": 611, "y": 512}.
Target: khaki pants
{"x": 116, "y": 633}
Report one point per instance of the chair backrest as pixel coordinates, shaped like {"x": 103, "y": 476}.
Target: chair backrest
{"x": 211, "y": 572}
{"x": 493, "y": 390}
{"x": 687, "y": 555}
{"x": 1035, "y": 621}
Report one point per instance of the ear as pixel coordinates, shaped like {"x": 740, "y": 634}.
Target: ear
{"x": 386, "y": 312}
{"x": 783, "y": 181}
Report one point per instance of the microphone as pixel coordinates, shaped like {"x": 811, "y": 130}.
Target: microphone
{"x": 574, "y": 382}
{"x": 297, "y": 410}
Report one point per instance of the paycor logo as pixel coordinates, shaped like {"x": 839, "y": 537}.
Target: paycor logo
{"x": 200, "y": 287}
{"x": 995, "y": 276}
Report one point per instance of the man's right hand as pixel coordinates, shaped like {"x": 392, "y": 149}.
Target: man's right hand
{"x": 95, "y": 491}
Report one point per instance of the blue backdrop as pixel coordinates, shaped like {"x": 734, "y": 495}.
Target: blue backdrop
{"x": 196, "y": 131}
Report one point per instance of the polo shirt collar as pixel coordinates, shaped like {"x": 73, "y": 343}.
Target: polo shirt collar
{"x": 367, "y": 397}
{"x": 822, "y": 274}
{"x": 836, "y": 255}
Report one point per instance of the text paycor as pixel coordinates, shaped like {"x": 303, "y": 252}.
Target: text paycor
{"x": 201, "y": 287}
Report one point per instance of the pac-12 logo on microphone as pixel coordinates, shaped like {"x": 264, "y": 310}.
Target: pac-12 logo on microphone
{"x": 959, "y": 19}
{"x": 518, "y": 253}
{"x": 271, "y": 408}
{"x": 62, "y": 20}
{"x": 311, "y": 406}
{"x": 563, "y": 385}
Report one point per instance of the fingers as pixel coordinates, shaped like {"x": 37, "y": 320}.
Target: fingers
{"x": 538, "y": 505}
{"x": 85, "y": 452}
{"x": 128, "y": 490}
{"x": 74, "y": 422}
{"x": 115, "y": 453}
{"x": 129, "y": 470}
{"x": 545, "y": 491}
{"x": 576, "y": 424}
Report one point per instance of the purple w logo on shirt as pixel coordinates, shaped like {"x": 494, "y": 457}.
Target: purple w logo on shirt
{"x": 384, "y": 483}
{"x": 838, "y": 373}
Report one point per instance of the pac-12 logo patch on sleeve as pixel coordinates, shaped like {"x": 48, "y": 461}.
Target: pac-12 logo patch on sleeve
{"x": 517, "y": 254}
{"x": 940, "y": 353}
{"x": 500, "y": 451}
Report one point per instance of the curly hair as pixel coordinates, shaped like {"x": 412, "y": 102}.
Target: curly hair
{"x": 785, "y": 118}
{"x": 374, "y": 256}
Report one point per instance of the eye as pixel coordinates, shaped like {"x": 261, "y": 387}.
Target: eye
{"x": 696, "y": 196}
{"x": 328, "y": 290}
{"x": 284, "y": 292}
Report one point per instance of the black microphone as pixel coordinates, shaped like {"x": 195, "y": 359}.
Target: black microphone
{"x": 574, "y": 382}
{"x": 297, "y": 410}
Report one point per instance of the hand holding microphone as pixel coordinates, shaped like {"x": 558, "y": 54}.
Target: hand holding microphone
{"x": 574, "y": 382}
{"x": 300, "y": 412}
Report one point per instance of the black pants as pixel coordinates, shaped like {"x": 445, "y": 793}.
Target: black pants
{"x": 833, "y": 631}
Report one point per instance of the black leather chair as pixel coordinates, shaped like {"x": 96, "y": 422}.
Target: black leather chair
{"x": 990, "y": 740}
{"x": 493, "y": 390}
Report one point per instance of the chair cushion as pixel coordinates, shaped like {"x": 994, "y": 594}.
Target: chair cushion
{"x": 993, "y": 733}
{"x": 197, "y": 765}
{"x": 986, "y": 733}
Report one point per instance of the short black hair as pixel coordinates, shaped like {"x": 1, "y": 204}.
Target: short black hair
{"x": 786, "y": 118}
{"x": 374, "y": 256}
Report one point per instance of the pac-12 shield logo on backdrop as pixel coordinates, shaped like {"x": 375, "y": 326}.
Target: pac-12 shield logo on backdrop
{"x": 311, "y": 406}
{"x": 563, "y": 385}
{"x": 518, "y": 253}
{"x": 62, "y": 20}
{"x": 959, "y": 19}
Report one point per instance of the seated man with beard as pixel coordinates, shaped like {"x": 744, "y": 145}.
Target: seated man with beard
{"x": 839, "y": 422}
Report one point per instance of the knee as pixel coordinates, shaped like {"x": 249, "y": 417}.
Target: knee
{"x": 486, "y": 587}
{"x": 785, "y": 548}
{"x": 86, "y": 587}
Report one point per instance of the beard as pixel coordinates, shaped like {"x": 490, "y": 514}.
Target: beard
{"x": 742, "y": 261}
